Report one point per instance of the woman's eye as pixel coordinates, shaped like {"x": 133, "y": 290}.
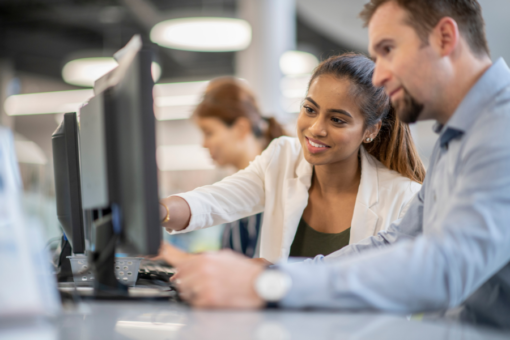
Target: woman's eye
{"x": 308, "y": 109}
{"x": 337, "y": 121}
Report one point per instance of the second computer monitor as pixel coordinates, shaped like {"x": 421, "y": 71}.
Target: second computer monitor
{"x": 119, "y": 153}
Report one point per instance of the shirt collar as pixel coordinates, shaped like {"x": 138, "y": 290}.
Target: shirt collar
{"x": 485, "y": 89}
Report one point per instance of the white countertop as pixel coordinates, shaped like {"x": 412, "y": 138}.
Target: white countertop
{"x": 161, "y": 320}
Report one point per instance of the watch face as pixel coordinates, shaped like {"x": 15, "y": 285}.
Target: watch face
{"x": 272, "y": 285}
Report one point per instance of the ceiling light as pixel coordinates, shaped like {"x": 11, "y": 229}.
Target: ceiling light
{"x": 203, "y": 34}
{"x": 294, "y": 90}
{"x": 85, "y": 71}
{"x": 156, "y": 71}
{"x": 294, "y": 63}
{"x": 188, "y": 100}
{"x": 172, "y": 101}
{"x": 29, "y": 152}
{"x": 295, "y": 87}
{"x": 183, "y": 157}
{"x": 177, "y": 100}
{"x": 46, "y": 102}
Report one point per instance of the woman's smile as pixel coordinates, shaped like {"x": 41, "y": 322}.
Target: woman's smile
{"x": 315, "y": 146}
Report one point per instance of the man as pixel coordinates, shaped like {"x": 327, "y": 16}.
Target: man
{"x": 452, "y": 248}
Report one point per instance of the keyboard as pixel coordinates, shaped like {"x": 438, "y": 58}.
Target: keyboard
{"x": 155, "y": 271}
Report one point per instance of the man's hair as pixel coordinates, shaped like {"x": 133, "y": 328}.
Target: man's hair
{"x": 423, "y": 16}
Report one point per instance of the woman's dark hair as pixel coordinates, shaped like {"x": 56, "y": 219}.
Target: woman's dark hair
{"x": 393, "y": 146}
{"x": 227, "y": 99}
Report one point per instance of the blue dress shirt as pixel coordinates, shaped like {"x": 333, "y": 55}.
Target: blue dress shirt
{"x": 452, "y": 248}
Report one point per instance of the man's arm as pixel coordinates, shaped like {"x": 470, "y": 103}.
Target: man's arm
{"x": 438, "y": 269}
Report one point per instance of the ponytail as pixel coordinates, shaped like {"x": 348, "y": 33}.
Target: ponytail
{"x": 395, "y": 149}
{"x": 272, "y": 130}
{"x": 393, "y": 146}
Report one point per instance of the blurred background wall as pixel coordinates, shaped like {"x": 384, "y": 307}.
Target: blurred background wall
{"x": 39, "y": 40}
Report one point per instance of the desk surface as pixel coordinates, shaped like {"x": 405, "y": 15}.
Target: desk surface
{"x": 161, "y": 320}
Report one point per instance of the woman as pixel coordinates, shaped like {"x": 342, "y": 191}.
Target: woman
{"x": 352, "y": 171}
{"x": 235, "y": 133}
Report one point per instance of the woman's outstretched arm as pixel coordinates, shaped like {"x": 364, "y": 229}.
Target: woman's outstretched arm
{"x": 176, "y": 211}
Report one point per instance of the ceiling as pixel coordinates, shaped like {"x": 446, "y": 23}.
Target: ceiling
{"x": 39, "y": 36}
{"x": 338, "y": 20}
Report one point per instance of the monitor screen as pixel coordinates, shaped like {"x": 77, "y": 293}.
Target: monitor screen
{"x": 66, "y": 162}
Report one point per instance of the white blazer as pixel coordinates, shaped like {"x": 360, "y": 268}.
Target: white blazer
{"x": 277, "y": 183}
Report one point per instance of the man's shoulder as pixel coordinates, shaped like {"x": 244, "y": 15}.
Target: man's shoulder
{"x": 489, "y": 136}
{"x": 493, "y": 123}
{"x": 501, "y": 102}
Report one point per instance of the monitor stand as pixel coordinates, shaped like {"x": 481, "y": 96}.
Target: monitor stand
{"x": 102, "y": 261}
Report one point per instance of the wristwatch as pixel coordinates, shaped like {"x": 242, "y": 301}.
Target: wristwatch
{"x": 272, "y": 285}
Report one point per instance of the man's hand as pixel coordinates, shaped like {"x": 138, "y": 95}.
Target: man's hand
{"x": 172, "y": 255}
{"x": 219, "y": 280}
{"x": 262, "y": 261}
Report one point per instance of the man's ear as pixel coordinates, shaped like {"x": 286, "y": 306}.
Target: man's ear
{"x": 242, "y": 126}
{"x": 445, "y": 37}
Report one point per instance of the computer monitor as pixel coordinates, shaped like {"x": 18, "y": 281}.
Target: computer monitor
{"x": 118, "y": 157}
{"x": 66, "y": 163}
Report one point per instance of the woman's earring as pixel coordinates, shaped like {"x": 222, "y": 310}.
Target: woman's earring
{"x": 368, "y": 139}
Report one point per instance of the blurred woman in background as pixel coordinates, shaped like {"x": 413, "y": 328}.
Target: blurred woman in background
{"x": 235, "y": 132}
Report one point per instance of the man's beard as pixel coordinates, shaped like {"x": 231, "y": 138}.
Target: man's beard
{"x": 408, "y": 109}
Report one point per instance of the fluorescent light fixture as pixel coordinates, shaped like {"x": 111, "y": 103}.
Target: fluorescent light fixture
{"x": 172, "y": 101}
{"x": 85, "y": 71}
{"x": 156, "y": 71}
{"x": 29, "y": 152}
{"x": 295, "y": 63}
{"x": 183, "y": 157}
{"x": 177, "y": 100}
{"x": 206, "y": 34}
{"x": 174, "y": 112}
{"x": 187, "y": 100}
{"x": 46, "y": 102}
{"x": 294, "y": 87}
{"x": 180, "y": 88}
{"x": 294, "y": 90}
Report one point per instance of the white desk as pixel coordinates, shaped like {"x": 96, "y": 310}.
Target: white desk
{"x": 161, "y": 320}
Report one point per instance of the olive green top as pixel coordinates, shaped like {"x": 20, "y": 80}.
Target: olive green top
{"x": 309, "y": 242}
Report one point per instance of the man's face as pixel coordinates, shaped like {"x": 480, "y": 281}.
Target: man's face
{"x": 405, "y": 66}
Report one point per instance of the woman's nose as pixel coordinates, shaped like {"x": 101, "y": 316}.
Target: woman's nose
{"x": 318, "y": 128}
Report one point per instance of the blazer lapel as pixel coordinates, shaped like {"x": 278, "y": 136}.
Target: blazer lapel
{"x": 296, "y": 200}
{"x": 364, "y": 219}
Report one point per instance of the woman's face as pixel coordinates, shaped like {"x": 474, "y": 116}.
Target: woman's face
{"x": 220, "y": 139}
{"x": 330, "y": 124}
